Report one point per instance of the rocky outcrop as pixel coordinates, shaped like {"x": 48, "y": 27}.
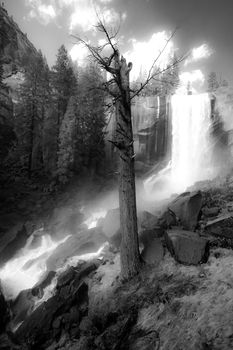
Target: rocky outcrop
{"x": 14, "y": 47}
{"x": 62, "y": 313}
{"x": 187, "y": 208}
{"x": 187, "y": 247}
{"x": 14, "y": 44}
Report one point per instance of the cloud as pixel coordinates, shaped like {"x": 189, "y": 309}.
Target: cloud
{"x": 144, "y": 53}
{"x": 45, "y": 13}
{"x": 200, "y": 52}
{"x": 81, "y": 13}
{"x": 84, "y": 15}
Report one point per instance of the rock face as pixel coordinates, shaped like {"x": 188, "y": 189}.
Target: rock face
{"x": 14, "y": 44}
{"x": 187, "y": 247}
{"x": 187, "y": 207}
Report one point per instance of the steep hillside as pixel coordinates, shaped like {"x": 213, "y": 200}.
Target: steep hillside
{"x": 14, "y": 46}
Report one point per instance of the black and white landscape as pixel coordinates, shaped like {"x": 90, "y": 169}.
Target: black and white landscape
{"x": 116, "y": 175}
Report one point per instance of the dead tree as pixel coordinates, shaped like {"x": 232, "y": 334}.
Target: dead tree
{"x": 119, "y": 88}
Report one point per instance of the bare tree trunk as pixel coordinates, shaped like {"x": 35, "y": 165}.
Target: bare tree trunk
{"x": 130, "y": 256}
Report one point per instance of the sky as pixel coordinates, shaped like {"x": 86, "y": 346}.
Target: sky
{"x": 204, "y": 30}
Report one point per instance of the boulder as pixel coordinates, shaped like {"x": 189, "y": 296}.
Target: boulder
{"x": 221, "y": 226}
{"x": 168, "y": 219}
{"x": 61, "y": 312}
{"x": 187, "y": 207}
{"x": 145, "y": 236}
{"x": 187, "y": 247}
{"x": 111, "y": 222}
{"x": 147, "y": 221}
{"x": 153, "y": 252}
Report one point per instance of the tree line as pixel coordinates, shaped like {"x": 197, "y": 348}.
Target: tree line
{"x": 59, "y": 119}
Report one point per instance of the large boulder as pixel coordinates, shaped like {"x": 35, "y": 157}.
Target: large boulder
{"x": 187, "y": 207}
{"x": 148, "y": 230}
{"x": 147, "y": 221}
{"x": 187, "y": 247}
{"x": 222, "y": 226}
{"x": 153, "y": 252}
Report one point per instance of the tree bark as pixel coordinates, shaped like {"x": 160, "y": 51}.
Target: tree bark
{"x": 130, "y": 256}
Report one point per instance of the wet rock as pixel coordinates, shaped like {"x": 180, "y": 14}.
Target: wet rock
{"x": 86, "y": 325}
{"x": 153, "y": 252}
{"x": 22, "y": 306}
{"x": 61, "y": 312}
{"x": 210, "y": 212}
{"x": 187, "y": 207}
{"x": 111, "y": 222}
{"x": 187, "y": 247}
{"x": 44, "y": 281}
{"x": 221, "y": 226}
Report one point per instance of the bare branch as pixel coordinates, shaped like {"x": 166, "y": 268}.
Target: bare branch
{"x": 153, "y": 76}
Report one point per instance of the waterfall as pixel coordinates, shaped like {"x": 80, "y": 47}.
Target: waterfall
{"x": 191, "y": 147}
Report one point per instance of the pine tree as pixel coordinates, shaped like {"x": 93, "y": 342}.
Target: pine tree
{"x": 34, "y": 97}
{"x": 66, "y": 143}
{"x": 213, "y": 83}
{"x": 90, "y": 119}
{"x": 64, "y": 86}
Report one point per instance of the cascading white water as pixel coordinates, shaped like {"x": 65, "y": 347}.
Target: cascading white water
{"x": 191, "y": 147}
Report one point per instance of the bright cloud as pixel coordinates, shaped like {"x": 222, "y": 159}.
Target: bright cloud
{"x": 78, "y": 53}
{"x": 84, "y": 15}
{"x": 144, "y": 53}
{"x": 191, "y": 77}
{"x": 200, "y": 52}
